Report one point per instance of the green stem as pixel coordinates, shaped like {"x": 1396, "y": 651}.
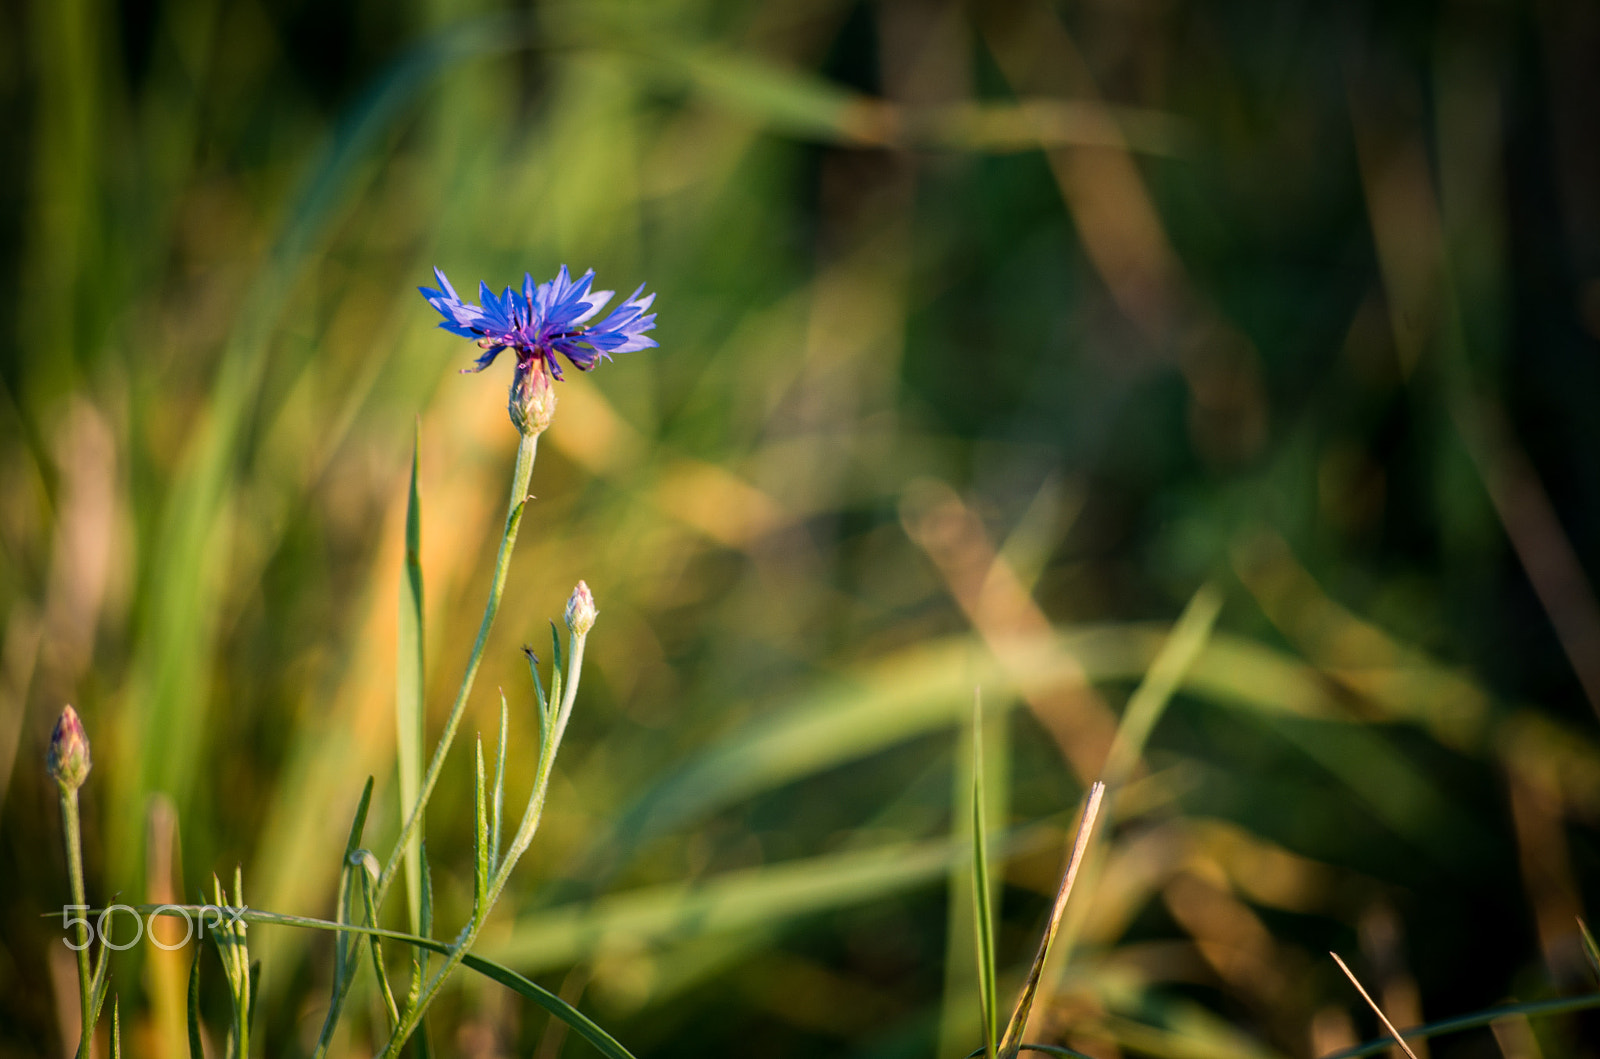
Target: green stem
{"x": 414, "y": 1012}
{"x": 74, "y": 840}
{"x": 242, "y": 1017}
{"x": 378, "y": 967}
{"x": 502, "y": 564}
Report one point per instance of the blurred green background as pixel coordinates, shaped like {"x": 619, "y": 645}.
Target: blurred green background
{"x": 989, "y": 333}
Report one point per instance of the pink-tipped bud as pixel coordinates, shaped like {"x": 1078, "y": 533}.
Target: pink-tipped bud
{"x": 581, "y": 611}
{"x": 533, "y": 398}
{"x": 69, "y": 761}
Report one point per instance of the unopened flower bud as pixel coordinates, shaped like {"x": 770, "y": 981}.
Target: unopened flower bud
{"x": 581, "y": 611}
{"x": 69, "y": 761}
{"x": 533, "y": 398}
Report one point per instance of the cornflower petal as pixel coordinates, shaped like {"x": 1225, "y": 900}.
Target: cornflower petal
{"x": 597, "y": 300}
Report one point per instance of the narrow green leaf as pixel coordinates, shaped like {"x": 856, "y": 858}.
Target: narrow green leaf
{"x": 555, "y": 653}
{"x": 499, "y": 797}
{"x": 419, "y": 961}
{"x": 556, "y": 682}
{"x": 100, "y": 983}
{"x": 538, "y": 689}
{"x": 1011, "y": 1042}
{"x": 254, "y": 980}
{"x": 378, "y": 967}
{"x": 409, "y": 715}
{"x": 359, "y": 824}
{"x": 427, "y": 894}
{"x": 1177, "y": 656}
{"x": 255, "y": 989}
{"x": 1590, "y": 950}
{"x": 116, "y": 1028}
{"x": 586, "y": 1027}
{"x": 219, "y": 939}
{"x": 341, "y": 948}
{"x": 480, "y": 843}
{"x": 346, "y": 945}
{"x": 196, "y": 1050}
{"x": 414, "y": 991}
{"x": 983, "y": 908}
{"x": 341, "y": 944}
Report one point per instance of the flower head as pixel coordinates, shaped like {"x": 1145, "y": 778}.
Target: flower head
{"x": 69, "y": 760}
{"x": 542, "y": 320}
{"x": 538, "y": 322}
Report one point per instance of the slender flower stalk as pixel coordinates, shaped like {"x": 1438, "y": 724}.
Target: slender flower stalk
{"x": 520, "y": 477}
{"x": 69, "y": 763}
{"x": 578, "y": 634}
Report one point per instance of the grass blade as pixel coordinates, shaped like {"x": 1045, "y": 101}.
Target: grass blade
{"x": 196, "y": 1050}
{"x": 1011, "y": 1043}
{"x": 427, "y": 894}
{"x": 983, "y": 908}
{"x": 116, "y": 1028}
{"x": 357, "y": 826}
{"x": 1373, "y": 1004}
{"x": 359, "y": 823}
{"x": 1188, "y": 638}
{"x": 586, "y": 1027}
{"x": 480, "y": 844}
{"x": 409, "y": 717}
{"x": 254, "y": 980}
{"x": 97, "y": 999}
{"x": 421, "y": 1046}
{"x": 1559, "y": 1006}
{"x": 346, "y": 955}
{"x": 1590, "y": 949}
{"x": 419, "y": 961}
{"x": 499, "y": 797}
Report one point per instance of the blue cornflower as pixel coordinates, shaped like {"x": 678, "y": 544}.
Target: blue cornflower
{"x": 541, "y": 321}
